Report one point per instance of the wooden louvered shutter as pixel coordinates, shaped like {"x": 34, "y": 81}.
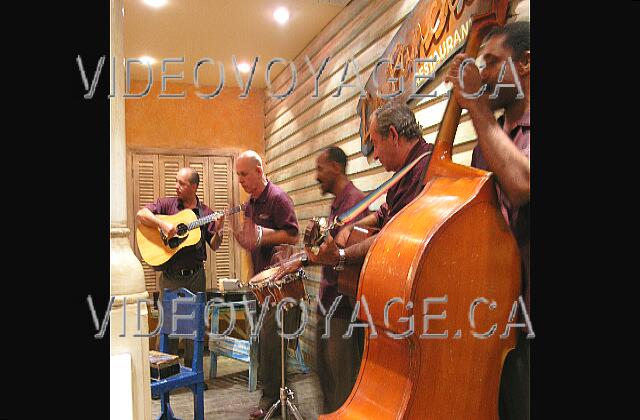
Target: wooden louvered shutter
{"x": 221, "y": 198}
{"x": 201, "y": 165}
{"x": 169, "y": 167}
{"x": 146, "y": 189}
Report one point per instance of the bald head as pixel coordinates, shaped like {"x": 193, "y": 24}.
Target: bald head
{"x": 187, "y": 180}
{"x": 251, "y": 158}
{"x": 250, "y": 172}
{"x": 191, "y": 175}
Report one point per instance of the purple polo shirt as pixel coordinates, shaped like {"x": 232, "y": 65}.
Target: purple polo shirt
{"x": 273, "y": 209}
{"x": 190, "y": 256}
{"x": 348, "y": 198}
{"x": 409, "y": 186}
{"x": 518, "y": 218}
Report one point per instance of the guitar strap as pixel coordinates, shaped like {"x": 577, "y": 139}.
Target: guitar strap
{"x": 364, "y": 204}
{"x": 424, "y": 172}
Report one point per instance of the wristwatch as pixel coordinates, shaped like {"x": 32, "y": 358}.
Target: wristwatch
{"x": 343, "y": 257}
{"x": 304, "y": 259}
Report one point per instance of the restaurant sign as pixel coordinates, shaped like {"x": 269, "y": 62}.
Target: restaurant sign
{"x": 432, "y": 33}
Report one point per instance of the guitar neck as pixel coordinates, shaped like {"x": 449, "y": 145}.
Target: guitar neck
{"x": 208, "y": 219}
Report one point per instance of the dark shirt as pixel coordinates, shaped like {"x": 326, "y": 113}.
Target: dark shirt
{"x": 518, "y": 218}
{"x": 191, "y": 256}
{"x": 273, "y": 209}
{"x": 348, "y": 198}
{"x": 409, "y": 186}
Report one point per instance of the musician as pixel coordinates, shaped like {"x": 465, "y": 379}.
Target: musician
{"x": 503, "y": 148}
{"x": 186, "y": 267}
{"x": 269, "y": 220}
{"x": 338, "y": 359}
{"x": 397, "y": 141}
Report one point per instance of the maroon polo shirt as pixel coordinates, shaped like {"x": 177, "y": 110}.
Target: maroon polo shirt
{"x": 409, "y": 186}
{"x": 348, "y": 198}
{"x": 273, "y": 209}
{"x": 188, "y": 257}
{"x": 518, "y": 218}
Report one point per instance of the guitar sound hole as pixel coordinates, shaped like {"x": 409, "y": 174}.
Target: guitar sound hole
{"x": 181, "y": 229}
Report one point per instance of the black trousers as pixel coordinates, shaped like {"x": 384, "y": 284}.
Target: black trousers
{"x": 195, "y": 283}
{"x": 514, "y": 382}
{"x": 338, "y": 361}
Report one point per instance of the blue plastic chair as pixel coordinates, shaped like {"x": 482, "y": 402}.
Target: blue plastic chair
{"x": 187, "y": 304}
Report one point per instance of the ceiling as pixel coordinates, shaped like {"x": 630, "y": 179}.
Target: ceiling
{"x": 218, "y": 29}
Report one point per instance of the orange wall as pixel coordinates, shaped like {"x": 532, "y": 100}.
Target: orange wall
{"x": 226, "y": 121}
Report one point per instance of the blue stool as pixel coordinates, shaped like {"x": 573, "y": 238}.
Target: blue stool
{"x": 243, "y": 350}
{"x": 187, "y": 305}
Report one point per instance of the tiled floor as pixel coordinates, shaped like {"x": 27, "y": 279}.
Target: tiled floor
{"x": 228, "y": 396}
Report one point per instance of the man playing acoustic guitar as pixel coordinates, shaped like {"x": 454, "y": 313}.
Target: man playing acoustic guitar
{"x": 185, "y": 268}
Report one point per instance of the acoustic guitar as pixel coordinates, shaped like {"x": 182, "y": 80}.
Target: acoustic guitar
{"x": 348, "y": 277}
{"x": 156, "y": 248}
{"x": 314, "y": 235}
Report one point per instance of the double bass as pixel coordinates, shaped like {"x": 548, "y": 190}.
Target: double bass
{"x": 452, "y": 263}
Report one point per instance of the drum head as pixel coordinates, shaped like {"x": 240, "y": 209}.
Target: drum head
{"x": 263, "y": 277}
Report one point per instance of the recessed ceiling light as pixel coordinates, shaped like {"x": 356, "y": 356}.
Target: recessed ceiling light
{"x": 281, "y": 15}
{"x": 155, "y": 3}
{"x": 147, "y": 60}
{"x": 244, "y": 67}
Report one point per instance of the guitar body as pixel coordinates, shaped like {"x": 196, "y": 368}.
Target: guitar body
{"x": 155, "y": 250}
{"x": 348, "y": 278}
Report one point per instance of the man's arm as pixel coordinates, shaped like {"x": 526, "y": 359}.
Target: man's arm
{"x": 147, "y": 218}
{"x": 370, "y": 220}
{"x": 214, "y": 228}
{"x": 328, "y": 252}
{"x": 286, "y": 222}
{"x": 248, "y": 236}
{"x": 216, "y": 240}
{"x": 503, "y": 157}
{"x": 276, "y": 237}
{"x": 355, "y": 253}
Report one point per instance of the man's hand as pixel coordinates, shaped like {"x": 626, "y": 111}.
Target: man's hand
{"x": 328, "y": 253}
{"x": 219, "y": 224}
{"x": 168, "y": 229}
{"x": 343, "y": 236}
{"x": 248, "y": 235}
{"x": 471, "y": 82}
{"x": 290, "y": 266}
{"x": 282, "y": 253}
